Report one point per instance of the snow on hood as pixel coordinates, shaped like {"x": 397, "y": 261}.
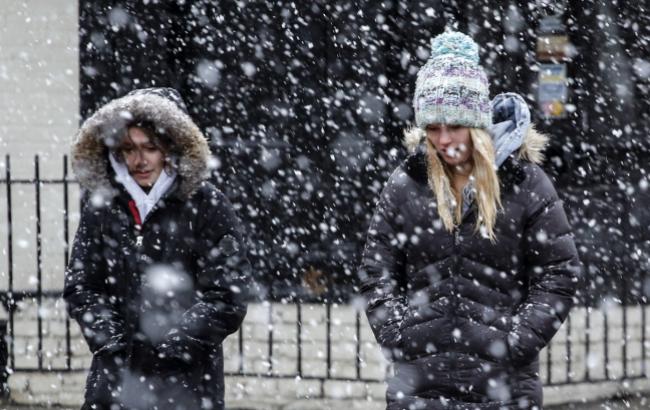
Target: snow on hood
{"x": 89, "y": 149}
{"x": 511, "y": 131}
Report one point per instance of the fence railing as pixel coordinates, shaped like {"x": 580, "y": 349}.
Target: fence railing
{"x": 10, "y": 297}
{"x": 608, "y": 343}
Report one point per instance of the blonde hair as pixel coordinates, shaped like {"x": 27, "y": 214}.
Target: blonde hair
{"x": 486, "y": 185}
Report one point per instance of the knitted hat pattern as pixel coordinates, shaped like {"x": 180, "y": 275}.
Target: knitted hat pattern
{"x": 452, "y": 88}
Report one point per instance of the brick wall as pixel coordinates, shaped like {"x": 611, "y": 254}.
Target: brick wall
{"x": 314, "y": 389}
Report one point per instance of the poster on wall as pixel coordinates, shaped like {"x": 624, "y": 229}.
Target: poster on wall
{"x": 552, "y": 47}
{"x": 553, "y": 92}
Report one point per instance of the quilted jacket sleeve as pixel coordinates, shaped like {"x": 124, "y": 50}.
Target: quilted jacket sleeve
{"x": 223, "y": 281}
{"x": 553, "y": 269}
{"x": 381, "y": 268}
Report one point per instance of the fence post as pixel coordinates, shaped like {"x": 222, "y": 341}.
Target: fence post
{"x": 4, "y": 361}
{"x": 39, "y": 261}
{"x": 10, "y": 302}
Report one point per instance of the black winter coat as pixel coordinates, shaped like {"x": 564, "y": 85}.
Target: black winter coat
{"x": 107, "y": 294}
{"x": 156, "y": 301}
{"x": 463, "y": 318}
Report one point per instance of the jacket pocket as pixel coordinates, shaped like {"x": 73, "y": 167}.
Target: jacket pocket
{"x": 427, "y": 337}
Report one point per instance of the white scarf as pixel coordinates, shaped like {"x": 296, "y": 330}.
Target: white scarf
{"x": 143, "y": 201}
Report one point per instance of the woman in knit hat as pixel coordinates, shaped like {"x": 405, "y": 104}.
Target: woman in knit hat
{"x": 470, "y": 266}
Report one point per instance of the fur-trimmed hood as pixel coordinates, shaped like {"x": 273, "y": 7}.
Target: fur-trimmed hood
{"x": 163, "y": 108}
{"x": 511, "y": 131}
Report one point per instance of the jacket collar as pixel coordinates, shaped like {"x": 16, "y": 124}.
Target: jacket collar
{"x": 510, "y": 172}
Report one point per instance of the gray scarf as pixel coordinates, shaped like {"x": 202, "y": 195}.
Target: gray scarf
{"x": 511, "y": 120}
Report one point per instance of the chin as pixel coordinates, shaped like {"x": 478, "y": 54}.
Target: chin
{"x": 145, "y": 184}
{"x": 451, "y": 161}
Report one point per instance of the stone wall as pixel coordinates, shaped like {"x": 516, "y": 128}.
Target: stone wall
{"x": 570, "y": 362}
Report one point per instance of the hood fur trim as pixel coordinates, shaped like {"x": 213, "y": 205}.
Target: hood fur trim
{"x": 89, "y": 149}
{"x": 533, "y": 147}
{"x": 413, "y": 137}
{"x": 531, "y": 150}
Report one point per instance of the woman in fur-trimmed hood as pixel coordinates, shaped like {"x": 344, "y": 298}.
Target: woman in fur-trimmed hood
{"x": 470, "y": 265}
{"x": 158, "y": 270}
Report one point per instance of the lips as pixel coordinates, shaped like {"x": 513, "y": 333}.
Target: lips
{"x": 142, "y": 174}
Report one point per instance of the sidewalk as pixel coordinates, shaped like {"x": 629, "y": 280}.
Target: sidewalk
{"x": 635, "y": 403}
{"x": 632, "y": 403}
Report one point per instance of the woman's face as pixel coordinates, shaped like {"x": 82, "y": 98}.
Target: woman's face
{"x": 143, "y": 158}
{"x": 452, "y": 142}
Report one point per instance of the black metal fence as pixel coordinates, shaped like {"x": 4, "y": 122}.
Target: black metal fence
{"x": 597, "y": 345}
{"x": 10, "y": 297}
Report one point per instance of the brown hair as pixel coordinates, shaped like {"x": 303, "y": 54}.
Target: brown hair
{"x": 157, "y": 137}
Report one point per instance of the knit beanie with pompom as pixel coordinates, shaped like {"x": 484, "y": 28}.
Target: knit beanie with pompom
{"x": 452, "y": 88}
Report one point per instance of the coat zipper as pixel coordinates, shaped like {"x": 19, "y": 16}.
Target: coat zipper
{"x": 454, "y": 274}
{"x": 139, "y": 222}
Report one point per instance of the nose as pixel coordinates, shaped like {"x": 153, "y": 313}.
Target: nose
{"x": 140, "y": 158}
{"x": 445, "y": 137}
